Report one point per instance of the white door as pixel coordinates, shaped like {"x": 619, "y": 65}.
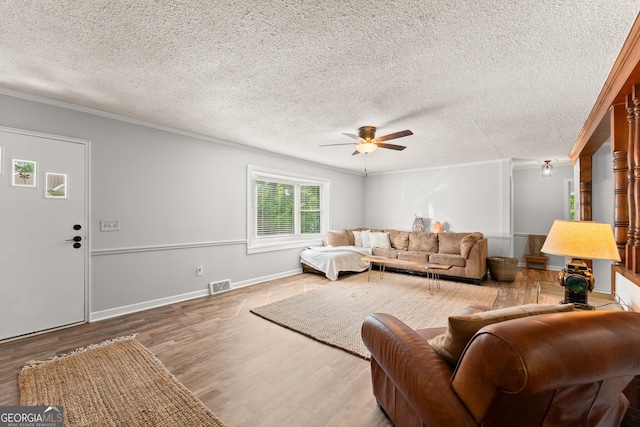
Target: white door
{"x": 43, "y": 231}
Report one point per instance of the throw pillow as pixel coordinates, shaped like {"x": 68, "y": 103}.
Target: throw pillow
{"x": 379, "y": 240}
{"x": 357, "y": 237}
{"x": 366, "y": 239}
{"x": 336, "y": 238}
{"x": 399, "y": 239}
{"x": 467, "y": 243}
{"x": 461, "y": 329}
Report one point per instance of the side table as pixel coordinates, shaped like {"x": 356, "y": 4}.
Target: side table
{"x": 542, "y": 260}
{"x": 433, "y": 274}
{"x": 383, "y": 262}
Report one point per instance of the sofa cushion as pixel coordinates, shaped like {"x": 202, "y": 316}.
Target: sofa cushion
{"x": 399, "y": 239}
{"x": 461, "y": 329}
{"x": 423, "y": 242}
{"x": 449, "y": 243}
{"x": 336, "y": 238}
{"x": 448, "y": 259}
{"x": 379, "y": 240}
{"x": 387, "y": 253}
{"x": 350, "y": 236}
{"x": 467, "y": 243}
{"x": 415, "y": 256}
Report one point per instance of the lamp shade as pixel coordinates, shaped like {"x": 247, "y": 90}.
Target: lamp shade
{"x": 582, "y": 240}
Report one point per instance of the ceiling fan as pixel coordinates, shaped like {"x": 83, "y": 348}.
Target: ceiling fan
{"x": 368, "y": 143}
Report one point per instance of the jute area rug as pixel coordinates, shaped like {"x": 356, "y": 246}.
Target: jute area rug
{"x": 334, "y": 314}
{"x": 115, "y": 383}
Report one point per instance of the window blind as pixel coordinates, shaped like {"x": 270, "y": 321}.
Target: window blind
{"x": 275, "y": 204}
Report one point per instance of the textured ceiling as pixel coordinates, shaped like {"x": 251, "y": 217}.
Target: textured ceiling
{"x": 475, "y": 80}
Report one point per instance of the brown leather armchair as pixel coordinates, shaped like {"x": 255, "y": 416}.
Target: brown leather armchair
{"x": 562, "y": 369}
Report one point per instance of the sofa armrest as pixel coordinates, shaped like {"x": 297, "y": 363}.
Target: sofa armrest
{"x": 476, "y": 266}
{"x": 415, "y": 369}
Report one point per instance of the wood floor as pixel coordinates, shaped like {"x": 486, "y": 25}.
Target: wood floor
{"x": 248, "y": 371}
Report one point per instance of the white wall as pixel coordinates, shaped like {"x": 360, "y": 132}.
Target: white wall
{"x": 538, "y": 201}
{"x": 180, "y": 201}
{"x": 471, "y": 197}
{"x": 602, "y": 208}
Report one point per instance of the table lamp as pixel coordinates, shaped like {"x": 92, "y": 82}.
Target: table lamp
{"x": 580, "y": 240}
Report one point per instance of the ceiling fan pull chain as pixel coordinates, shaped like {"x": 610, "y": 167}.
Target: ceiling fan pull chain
{"x": 365, "y": 163}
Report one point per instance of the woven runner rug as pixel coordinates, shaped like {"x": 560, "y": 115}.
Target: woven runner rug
{"x": 334, "y": 314}
{"x": 115, "y": 383}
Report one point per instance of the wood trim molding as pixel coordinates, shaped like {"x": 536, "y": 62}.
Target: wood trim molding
{"x": 623, "y": 74}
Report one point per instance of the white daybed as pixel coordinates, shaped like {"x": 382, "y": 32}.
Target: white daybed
{"x": 331, "y": 260}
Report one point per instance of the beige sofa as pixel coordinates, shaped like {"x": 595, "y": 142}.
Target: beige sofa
{"x": 465, "y": 252}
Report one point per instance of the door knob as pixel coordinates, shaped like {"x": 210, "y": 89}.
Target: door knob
{"x": 75, "y": 239}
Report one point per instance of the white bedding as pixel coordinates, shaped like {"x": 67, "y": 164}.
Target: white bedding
{"x": 331, "y": 260}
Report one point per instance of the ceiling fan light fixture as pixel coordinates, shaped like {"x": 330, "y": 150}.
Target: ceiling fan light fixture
{"x": 547, "y": 168}
{"x": 366, "y": 147}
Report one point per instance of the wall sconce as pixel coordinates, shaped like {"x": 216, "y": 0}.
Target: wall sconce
{"x": 547, "y": 168}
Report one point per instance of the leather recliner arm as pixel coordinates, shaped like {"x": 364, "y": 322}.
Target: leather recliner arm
{"x": 547, "y": 352}
{"x": 416, "y": 370}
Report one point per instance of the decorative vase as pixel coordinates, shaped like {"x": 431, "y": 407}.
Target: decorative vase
{"x": 418, "y": 224}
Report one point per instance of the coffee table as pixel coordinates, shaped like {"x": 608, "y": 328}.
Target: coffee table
{"x": 383, "y": 262}
{"x": 433, "y": 274}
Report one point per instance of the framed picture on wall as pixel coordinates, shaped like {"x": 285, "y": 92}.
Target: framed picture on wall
{"x": 24, "y": 173}
{"x": 56, "y": 185}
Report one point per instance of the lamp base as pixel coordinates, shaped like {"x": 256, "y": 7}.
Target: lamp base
{"x": 578, "y": 281}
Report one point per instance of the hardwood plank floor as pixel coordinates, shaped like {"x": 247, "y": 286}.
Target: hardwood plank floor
{"x": 248, "y": 371}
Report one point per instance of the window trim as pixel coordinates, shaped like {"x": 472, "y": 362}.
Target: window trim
{"x": 257, "y": 244}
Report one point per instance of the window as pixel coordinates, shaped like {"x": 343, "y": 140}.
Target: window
{"x": 285, "y": 210}
{"x": 569, "y": 200}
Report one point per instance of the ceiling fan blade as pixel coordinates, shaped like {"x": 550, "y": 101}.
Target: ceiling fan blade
{"x": 350, "y": 135}
{"x": 395, "y": 135}
{"x": 331, "y": 145}
{"x": 392, "y": 146}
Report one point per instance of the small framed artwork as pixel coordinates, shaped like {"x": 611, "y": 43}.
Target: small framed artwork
{"x": 57, "y": 186}
{"x": 24, "y": 173}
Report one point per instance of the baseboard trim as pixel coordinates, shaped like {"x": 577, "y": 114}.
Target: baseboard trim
{"x": 97, "y": 316}
{"x": 262, "y": 279}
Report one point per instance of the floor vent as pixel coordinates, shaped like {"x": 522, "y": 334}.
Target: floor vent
{"x": 222, "y": 285}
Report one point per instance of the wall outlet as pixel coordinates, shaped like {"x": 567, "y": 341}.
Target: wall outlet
{"x": 199, "y": 270}
{"x": 109, "y": 225}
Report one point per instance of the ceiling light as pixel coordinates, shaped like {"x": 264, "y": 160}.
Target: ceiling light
{"x": 547, "y": 168}
{"x": 366, "y": 147}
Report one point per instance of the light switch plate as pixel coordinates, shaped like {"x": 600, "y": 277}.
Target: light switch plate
{"x": 109, "y": 225}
